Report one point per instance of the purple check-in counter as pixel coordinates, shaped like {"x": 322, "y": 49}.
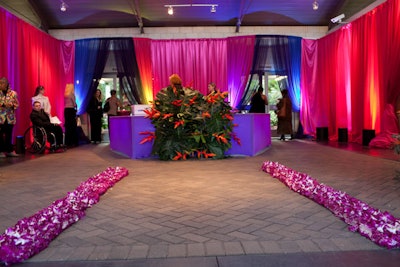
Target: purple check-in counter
{"x": 253, "y": 130}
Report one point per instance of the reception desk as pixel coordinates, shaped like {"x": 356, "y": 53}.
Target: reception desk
{"x": 253, "y": 130}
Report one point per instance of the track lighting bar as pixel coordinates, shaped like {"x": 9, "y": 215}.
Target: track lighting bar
{"x": 171, "y": 7}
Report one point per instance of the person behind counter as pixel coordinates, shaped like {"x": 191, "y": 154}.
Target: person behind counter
{"x": 258, "y": 101}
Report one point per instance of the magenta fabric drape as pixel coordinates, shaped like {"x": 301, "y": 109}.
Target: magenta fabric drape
{"x": 350, "y": 75}
{"x": 387, "y": 19}
{"x": 325, "y": 83}
{"x": 143, "y": 54}
{"x": 29, "y": 58}
{"x": 196, "y": 61}
{"x": 240, "y": 56}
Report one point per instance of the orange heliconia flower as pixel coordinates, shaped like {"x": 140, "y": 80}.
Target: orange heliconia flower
{"x": 152, "y": 113}
{"x": 180, "y": 155}
{"x": 206, "y": 114}
{"x": 237, "y": 139}
{"x": 228, "y": 116}
{"x": 205, "y": 154}
{"x": 221, "y": 138}
{"x": 192, "y": 101}
{"x": 167, "y": 115}
{"x": 149, "y": 138}
{"x": 177, "y": 123}
{"x": 177, "y": 102}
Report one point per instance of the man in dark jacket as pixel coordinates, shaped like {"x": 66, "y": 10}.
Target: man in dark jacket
{"x": 41, "y": 119}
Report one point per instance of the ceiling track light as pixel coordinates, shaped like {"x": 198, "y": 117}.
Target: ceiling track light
{"x": 170, "y": 10}
{"x": 315, "y": 5}
{"x": 213, "y": 7}
{"x": 63, "y": 6}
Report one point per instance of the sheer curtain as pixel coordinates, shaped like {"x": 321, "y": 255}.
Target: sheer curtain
{"x": 279, "y": 55}
{"x": 196, "y": 61}
{"x": 128, "y": 72}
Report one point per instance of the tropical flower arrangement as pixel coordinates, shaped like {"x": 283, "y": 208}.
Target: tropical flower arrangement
{"x": 32, "y": 235}
{"x": 380, "y": 227}
{"x": 190, "y": 125}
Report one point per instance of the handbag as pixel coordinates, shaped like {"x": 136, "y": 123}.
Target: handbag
{"x": 106, "y": 107}
{"x": 282, "y": 110}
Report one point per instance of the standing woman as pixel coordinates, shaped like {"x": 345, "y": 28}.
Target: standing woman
{"x": 115, "y": 104}
{"x": 8, "y": 104}
{"x": 95, "y": 111}
{"x": 71, "y": 133}
{"x": 284, "y": 112}
{"x": 44, "y": 100}
{"x": 212, "y": 88}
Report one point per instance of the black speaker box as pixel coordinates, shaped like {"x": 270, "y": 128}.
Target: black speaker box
{"x": 343, "y": 135}
{"x": 322, "y": 133}
{"x": 367, "y": 136}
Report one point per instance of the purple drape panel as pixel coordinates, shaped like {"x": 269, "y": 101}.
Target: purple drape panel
{"x": 240, "y": 55}
{"x": 196, "y": 61}
{"x": 30, "y": 57}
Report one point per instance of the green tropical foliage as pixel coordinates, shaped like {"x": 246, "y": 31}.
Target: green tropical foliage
{"x": 189, "y": 124}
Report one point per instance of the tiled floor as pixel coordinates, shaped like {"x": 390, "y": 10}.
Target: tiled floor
{"x": 205, "y": 212}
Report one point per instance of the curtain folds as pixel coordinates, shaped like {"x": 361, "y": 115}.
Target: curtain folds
{"x": 196, "y": 61}
{"x": 86, "y": 52}
{"x": 143, "y": 54}
{"x": 239, "y": 66}
{"x": 30, "y": 57}
{"x": 351, "y": 75}
{"x": 280, "y": 55}
{"x": 343, "y": 80}
{"x": 128, "y": 71}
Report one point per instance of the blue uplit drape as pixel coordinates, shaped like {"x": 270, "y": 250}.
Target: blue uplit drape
{"x": 86, "y": 51}
{"x": 294, "y": 70}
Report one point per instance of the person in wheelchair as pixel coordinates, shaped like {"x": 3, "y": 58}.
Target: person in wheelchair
{"x": 40, "y": 118}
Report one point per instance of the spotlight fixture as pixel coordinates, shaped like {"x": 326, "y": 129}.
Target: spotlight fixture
{"x": 315, "y": 5}
{"x": 213, "y": 7}
{"x": 170, "y": 10}
{"x": 63, "y": 6}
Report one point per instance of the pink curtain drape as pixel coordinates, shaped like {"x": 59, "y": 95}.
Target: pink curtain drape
{"x": 29, "y": 58}
{"x": 143, "y": 54}
{"x": 387, "y": 19}
{"x": 196, "y": 61}
{"x": 240, "y": 57}
{"x": 349, "y": 75}
{"x": 325, "y": 83}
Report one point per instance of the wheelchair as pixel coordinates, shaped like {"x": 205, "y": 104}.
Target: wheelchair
{"x": 36, "y": 140}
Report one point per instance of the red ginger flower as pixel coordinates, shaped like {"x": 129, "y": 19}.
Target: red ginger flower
{"x": 149, "y": 138}
{"x": 177, "y": 102}
{"x": 177, "y": 123}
